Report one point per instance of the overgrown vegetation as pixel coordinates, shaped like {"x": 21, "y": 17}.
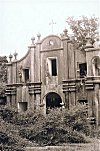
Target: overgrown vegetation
{"x": 59, "y": 127}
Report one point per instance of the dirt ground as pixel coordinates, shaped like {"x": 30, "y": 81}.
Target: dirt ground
{"x": 95, "y": 146}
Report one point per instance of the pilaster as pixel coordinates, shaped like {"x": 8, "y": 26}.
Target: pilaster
{"x": 35, "y": 94}
{"x": 32, "y": 58}
{"x": 9, "y": 73}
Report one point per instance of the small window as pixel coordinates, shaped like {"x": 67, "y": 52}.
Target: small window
{"x": 52, "y": 66}
{"x": 26, "y": 75}
{"x": 83, "y": 101}
{"x": 83, "y": 69}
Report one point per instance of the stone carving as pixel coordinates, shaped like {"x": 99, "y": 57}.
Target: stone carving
{"x": 47, "y": 70}
{"x": 20, "y": 73}
{"x": 97, "y": 43}
{"x": 96, "y": 66}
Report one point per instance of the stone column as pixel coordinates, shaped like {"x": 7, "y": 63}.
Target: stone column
{"x": 15, "y": 68}
{"x": 99, "y": 109}
{"x": 24, "y": 93}
{"x": 93, "y": 69}
{"x": 37, "y": 101}
{"x": 96, "y": 99}
{"x": 38, "y": 59}
{"x": 65, "y": 40}
{"x": 8, "y": 100}
{"x": 32, "y": 102}
{"x": 13, "y": 96}
{"x": 32, "y": 58}
{"x": 67, "y": 99}
{"x": 9, "y": 73}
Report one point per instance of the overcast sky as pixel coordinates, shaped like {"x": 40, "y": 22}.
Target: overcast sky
{"x": 22, "y": 19}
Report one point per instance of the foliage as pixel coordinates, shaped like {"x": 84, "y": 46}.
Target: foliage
{"x": 82, "y": 27}
{"x": 58, "y": 127}
{"x": 7, "y": 114}
{"x": 5, "y": 139}
{"x": 96, "y": 133}
{"x": 10, "y": 131}
{"x": 76, "y": 117}
{"x": 34, "y": 129}
{"x": 3, "y": 74}
{"x": 3, "y": 69}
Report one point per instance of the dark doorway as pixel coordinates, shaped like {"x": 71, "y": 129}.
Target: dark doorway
{"x": 53, "y": 100}
{"x": 3, "y": 100}
{"x": 26, "y": 75}
{"x": 83, "y": 69}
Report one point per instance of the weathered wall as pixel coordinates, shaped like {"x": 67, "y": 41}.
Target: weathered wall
{"x": 67, "y": 83}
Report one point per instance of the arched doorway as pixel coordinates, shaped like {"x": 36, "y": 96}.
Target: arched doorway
{"x": 53, "y": 100}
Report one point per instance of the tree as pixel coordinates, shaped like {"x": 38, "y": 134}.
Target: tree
{"x": 82, "y": 27}
{"x": 3, "y": 74}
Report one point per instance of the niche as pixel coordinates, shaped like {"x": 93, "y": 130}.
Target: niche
{"x": 22, "y": 106}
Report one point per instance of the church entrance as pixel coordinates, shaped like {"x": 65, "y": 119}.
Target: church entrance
{"x": 53, "y": 100}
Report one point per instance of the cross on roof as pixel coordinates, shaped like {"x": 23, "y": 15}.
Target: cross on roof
{"x": 52, "y": 24}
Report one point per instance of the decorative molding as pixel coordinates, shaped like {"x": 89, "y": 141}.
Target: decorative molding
{"x": 35, "y": 88}
{"x": 11, "y": 91}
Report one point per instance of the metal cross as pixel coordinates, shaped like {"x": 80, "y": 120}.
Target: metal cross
{"x": 52, "y": 23}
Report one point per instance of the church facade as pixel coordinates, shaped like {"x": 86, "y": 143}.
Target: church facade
{"x": 54, "y": 74}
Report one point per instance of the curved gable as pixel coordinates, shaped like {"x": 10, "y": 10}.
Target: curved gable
{"x": 51, "y": 42}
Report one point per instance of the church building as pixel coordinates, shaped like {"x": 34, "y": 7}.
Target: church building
{"x": 55, "y": 74}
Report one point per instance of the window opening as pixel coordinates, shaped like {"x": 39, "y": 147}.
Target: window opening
{"x": 84, "y": 102}
{"x": 83, "y": 69}
{"x": 54, "y": 67}
{"x": 3, "y": 100}
{"x": 26, "y": 75}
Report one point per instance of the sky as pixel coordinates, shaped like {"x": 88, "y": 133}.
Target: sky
{"x": 22, "y": 19}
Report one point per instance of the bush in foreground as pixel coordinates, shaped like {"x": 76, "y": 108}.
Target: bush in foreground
{"x": 58, "y": 127}
{"x": 33, "y": 129}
